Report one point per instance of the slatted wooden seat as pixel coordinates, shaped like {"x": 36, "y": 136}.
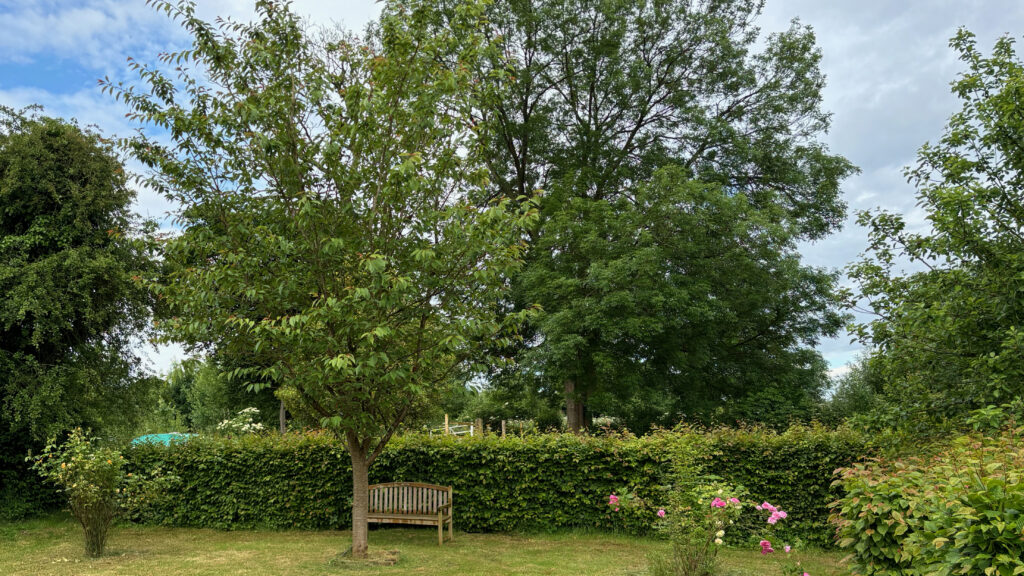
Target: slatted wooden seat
{"x": 413, "y": 503}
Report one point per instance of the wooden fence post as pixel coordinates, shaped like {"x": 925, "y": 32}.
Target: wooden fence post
{"x": 445, "y": 424}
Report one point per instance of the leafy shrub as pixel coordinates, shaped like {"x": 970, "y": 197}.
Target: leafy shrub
{"x": 956, "y": 513}
{"x": 91, "y": 478}
{"x": 537, "y": 482}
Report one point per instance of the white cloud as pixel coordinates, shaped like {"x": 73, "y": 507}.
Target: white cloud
{"x": 96, "y": 34}
{"x": 100, "y": 35}
{"x": 158, "y": 358}
{"x": 835, "y": 373}
{"x": 889, "y": 67}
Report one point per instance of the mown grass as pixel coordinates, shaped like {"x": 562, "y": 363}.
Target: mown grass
{"x": 53, "y": 546}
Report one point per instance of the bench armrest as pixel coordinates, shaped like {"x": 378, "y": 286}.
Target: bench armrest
{"x": 443, "y": 506}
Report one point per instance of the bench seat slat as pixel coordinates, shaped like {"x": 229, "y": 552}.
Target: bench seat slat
{"x": 412, "y": 503}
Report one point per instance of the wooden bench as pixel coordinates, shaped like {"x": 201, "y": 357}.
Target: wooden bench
{"x": 413, "y": 503}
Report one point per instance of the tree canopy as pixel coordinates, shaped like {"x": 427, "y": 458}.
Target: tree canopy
{"x": 331, "y": 216}
{"x": 646, "y": 123}
{"x": 71, "y": 257}
{"x": 948, "y": 298}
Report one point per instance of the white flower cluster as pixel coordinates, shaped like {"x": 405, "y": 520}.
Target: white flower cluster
{"x": 242, "y": 423}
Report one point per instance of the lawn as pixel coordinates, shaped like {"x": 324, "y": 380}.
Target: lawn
{"x": 53, "y": 546}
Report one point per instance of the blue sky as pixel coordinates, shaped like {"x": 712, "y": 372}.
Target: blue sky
{"x": 888, "y": 64}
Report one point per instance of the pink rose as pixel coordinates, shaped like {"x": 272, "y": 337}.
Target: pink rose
{"x": 661, "y": 513}
{"x": 718, "y": 503}
{"x": 613, "y": 500}
{"x": 734, "y": 500}
{"x": 787, "y": 549}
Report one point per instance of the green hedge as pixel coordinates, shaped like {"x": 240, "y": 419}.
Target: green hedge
{"x": 793, "y": 470}
{"x": 543, "y": 482}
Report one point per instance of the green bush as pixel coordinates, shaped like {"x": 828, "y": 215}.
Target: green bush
{"x": 91, "y": 477}
{"x": 22, "y": 492}
{"x": 542, "y": 482}
{"x": 956, "y": 513}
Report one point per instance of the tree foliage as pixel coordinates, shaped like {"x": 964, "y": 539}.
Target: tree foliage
{"x": 71, "y": 253}
{"x": 948, "y": 298}
{"x": 330, "y": 219}
{"x": 650, "y": 125}
{"x": 196, "y": 395}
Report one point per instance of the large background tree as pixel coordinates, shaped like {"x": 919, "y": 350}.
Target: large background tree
{"x": 331, "y": 219}
{"x": 72, "y": 309}
{"x": 949, "y": 299}
{"x": 601, "y": 97}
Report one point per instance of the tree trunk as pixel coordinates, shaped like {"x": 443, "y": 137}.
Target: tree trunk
{"x": 573, "y": 407}
{"x": 360, "y": 498}
{"x": 282, "y": 419}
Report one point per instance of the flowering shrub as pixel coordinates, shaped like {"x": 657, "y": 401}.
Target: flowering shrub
{"x": 697, "y": 532}
{"x": 91, "y": 478}
{"x": 696, "y": 529}
{"x": 242, "y": 423}
{"x": 790, "y": 567}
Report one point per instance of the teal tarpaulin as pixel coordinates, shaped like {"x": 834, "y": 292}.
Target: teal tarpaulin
{"x": 164, "y": 439}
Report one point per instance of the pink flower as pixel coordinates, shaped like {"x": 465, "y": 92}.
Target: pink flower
{"x": 661, "y": 513}
{"x": 787, "y": 549}
{"x": 613, "y": 500}
{"x": 718, "y": 503}
{"x": 768, "y": 507}
{"x": 766, "y": 547}
{"x": 734, "y": 500}
{"x": 616, "y": 509}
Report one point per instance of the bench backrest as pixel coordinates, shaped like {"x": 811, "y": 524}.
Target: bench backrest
{"x": 408, "y": 498}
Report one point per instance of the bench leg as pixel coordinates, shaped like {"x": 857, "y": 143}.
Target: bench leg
{"x": 440, "y": 533}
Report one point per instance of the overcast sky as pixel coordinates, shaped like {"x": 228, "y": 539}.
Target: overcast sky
{"x": 888, "y": 65}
